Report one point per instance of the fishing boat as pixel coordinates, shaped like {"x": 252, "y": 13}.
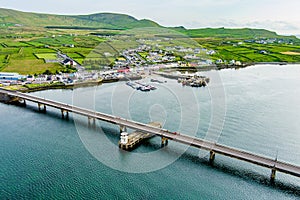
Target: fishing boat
{"x": 144, "y": 89}
{"x": 151, "y": 87}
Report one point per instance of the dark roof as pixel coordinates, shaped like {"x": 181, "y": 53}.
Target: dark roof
{"x": 66, "y": 60}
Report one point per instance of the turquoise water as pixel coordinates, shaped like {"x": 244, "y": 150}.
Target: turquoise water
{"x": 45, "y": 157}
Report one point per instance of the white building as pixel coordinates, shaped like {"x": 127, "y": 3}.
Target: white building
{"x": 4, "y": 76}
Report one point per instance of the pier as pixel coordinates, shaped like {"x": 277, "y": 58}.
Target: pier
{"x": 273, "y": 164}
{"x": 132, "y": 140}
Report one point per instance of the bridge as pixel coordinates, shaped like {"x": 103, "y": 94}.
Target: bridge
{"x": 165, "y": 135}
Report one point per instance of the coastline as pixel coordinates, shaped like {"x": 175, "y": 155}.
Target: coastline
{"x": 226, "y": 66}
{"x": 25, "y": 89}
{"x": 90, "y": 83}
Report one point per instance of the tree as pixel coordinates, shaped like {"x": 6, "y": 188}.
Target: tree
{"x": 47, "y": 72}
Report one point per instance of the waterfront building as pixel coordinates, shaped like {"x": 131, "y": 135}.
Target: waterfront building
{"x": 4, "y": 76}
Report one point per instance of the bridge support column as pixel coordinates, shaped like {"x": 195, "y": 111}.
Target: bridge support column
{"x": 42, "y": 105}
{"x": 212, "y": 156}
{"x": 64, "y": 114}
{"x": 94, "y": 121}
{"x": 22, "y": 102}
{"x": 273, "y": 175}
{"x": 164, "y": 141}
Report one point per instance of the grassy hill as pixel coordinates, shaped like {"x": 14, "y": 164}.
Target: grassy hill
{"x": 114, "y": 21}
{"x": 10, "y": 17}
{"x": 245, "y": 33}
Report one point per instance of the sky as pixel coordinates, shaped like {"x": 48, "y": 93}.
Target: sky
{"x": 282, "y": 16}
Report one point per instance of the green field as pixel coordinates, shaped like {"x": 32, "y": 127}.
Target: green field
{"x": 26, "y": 54}
{"x": 15, "y": 44}
{"x": 46, "y": 56}
{"x": 56, "y": 41}
{"x": 28, "y": 60}
{"x": 32, "y": 67}
{"x": 81, "y": 51}
{"x": 229, "y": 49}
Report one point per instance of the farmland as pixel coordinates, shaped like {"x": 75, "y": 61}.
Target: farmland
{"x": 46, "y": 56}
{"x": 33, "y": 48}
{"x": 232, "y": 49}
{"x": 27, "y": 53}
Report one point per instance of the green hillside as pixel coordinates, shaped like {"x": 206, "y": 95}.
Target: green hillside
{"x": 101, "y": 20}
{"x": 114, "y": 21}
{"x": 245, "y": 33}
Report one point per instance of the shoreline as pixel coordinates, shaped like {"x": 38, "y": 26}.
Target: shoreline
{"x": 24, "y": 89}
{"x": 224, "y": 66}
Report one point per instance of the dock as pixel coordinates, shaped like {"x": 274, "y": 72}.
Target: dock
{"x": 192, "y": 80}
{"x": 140, "y": 86}
{"x": 132, "y": 140}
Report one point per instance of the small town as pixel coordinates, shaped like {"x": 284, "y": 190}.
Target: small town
{"x": 131, "y": 64}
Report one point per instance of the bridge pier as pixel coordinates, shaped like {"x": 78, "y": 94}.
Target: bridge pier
{"x": 91, "y": 119}
{"x": 164, "y": 141}
{"x": 42, "y": 105}
{"x": 212, "y": 156}
{"x": 64, "y": 113}
{"x": 22, "y": 102}
{"x": 273, "y": 175}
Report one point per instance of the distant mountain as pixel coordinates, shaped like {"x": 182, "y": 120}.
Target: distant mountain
{"x": 101, "y": 20}
{"x": 228, "y": 32}
{"x": 10, "y": 17}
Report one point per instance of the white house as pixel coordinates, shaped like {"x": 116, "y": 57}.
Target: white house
{"x": 4, "y": 76}
{"x": 70, "y": 62}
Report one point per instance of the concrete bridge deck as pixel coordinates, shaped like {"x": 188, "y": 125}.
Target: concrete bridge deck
{"x": 213, "y": 148}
